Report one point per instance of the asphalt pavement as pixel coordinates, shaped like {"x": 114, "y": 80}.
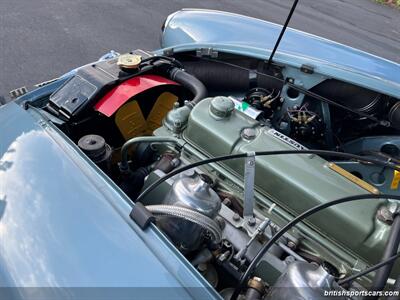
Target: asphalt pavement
{"x": 42, "y": 39}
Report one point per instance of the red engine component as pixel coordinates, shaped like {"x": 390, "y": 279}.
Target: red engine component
{"x": 120, "y": 94}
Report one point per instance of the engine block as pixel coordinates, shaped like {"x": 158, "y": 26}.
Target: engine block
{"x": 294, "y": 183}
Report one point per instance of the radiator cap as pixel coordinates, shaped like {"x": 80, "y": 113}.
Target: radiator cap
{"x": 129, "y": 61}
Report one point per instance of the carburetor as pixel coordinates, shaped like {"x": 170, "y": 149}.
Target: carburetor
{"x": 193, "y": 191}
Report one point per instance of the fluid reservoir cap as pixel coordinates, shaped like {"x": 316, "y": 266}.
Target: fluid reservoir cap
{"x": 94, "y": 146}
{"x": 221, "y": 107}
{"x": 129, "y": 61}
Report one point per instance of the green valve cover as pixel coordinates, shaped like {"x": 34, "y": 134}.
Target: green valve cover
{"x": 294, "y": 182}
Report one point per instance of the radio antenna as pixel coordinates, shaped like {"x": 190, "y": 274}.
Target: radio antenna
{"x": 282, "y": 32}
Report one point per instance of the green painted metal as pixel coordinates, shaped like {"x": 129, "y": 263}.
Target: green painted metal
{"x": 293, "y": 182}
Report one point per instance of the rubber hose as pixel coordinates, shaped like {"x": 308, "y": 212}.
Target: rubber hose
{"x": 348, "y": 94}
{"x": 195, "y": 86}
{"x": 391, "y": 248}
{"x": 221, "y": 77}
{"x": 124, "y": 165}
{"x": 188, "y": 215}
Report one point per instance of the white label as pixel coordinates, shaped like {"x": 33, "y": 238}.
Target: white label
{"x": 246, "y": 108}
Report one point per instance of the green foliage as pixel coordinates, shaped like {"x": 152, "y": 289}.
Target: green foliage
{"x": 395, "y": 3}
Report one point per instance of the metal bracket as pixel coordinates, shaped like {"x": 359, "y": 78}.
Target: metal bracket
{"x": 260, "y": 230}
{"x": 141, "y": 216}
{"x": 249, "y": 175}
{"x": 14, "y": 94}
{"x": 46, "y": 82}
{"x": 210, "y": 52}
{"x": 168, "y": 52}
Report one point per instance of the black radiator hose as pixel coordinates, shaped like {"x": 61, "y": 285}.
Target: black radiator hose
{"x": 195, "y": 86}
{"x": 222, "y": 77}
{"x": 219, "y": 77}
{"x": 391, "y": 248}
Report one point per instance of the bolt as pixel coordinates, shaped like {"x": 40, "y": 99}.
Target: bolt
{"x": 220, "y": 221}
{"x": 175, "y": 162}
{"x": 227, "y": 244}
{"x": 236, "y": 217}
{"x": 249, "y": 133}
{"x": 221, "y": 258}
{"x": 257, "y": 284}
{"x": 202, "y": 267}
{"x": 251, "y": 221}
{"x": 385, "y": 215}
{"x": 227, "y": 202}
{"x": 289, "y": 259}
{"x": 292, "y": 245}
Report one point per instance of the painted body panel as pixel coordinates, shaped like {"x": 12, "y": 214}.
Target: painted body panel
{"x": 192, "y": 29}
{"x": 64, "y": 224}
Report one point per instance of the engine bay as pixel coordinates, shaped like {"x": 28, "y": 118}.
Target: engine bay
{"x": 186, "y": 136}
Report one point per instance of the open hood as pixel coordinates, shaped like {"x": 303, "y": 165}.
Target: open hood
{"x": 196, "y": 28}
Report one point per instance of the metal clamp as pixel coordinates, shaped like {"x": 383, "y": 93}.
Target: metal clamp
{"x": 260, "y": 230}
{"x": 141, "y": 216}
{"x": 249, "y": 175}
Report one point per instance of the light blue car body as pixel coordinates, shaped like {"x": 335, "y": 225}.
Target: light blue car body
{"x": 65, "y": 226}
{"x": 227, "y": 32}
